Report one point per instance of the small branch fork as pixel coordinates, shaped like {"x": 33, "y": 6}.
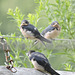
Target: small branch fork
{"x": 9, "y": 61}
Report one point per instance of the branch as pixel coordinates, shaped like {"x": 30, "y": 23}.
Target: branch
{"x": 1, "y": 37}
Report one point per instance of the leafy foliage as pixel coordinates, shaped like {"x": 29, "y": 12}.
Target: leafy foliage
{"x": 60, "y": 10}
{"x": 16, "y": 14}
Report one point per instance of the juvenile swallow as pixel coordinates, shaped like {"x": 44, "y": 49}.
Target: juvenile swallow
{"x": 31, "y": 32}
{"x": 52, "y": 31}
{"x": 41, "y": 63}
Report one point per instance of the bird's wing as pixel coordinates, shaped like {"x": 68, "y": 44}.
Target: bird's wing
{"x": 45, "y": 64}
{"x": 32, "y": 29}
{"x": 48, "y": 29}
{"x": 40, "y": 58}
{"x": 41, "y": 61}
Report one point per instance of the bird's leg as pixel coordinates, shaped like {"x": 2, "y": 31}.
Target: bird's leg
{"x": 33, "y": 44}
{"x": 44, "y": 44}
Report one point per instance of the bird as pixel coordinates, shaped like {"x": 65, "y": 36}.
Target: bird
{"x": 31, "y": 32}
{"x": 52, "y": 31}
{"x": 41, "y": 63}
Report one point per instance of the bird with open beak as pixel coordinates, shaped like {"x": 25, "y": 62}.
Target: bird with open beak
{"x": 41, "y": 63}
{"x": 31, "y": 32}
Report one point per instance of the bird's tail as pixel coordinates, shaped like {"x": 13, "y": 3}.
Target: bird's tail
{"x": 41, "y": 38}
{"x": 35, "y": 42}
{"x": 51, "y": 71}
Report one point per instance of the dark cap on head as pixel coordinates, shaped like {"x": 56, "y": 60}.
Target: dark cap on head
{"x": 24, "y": 22}
{"x": 31, "y": 51}
{"x": 54, "y": 22}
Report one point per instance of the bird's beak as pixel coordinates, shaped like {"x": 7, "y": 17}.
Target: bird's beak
{"x": 55, "y": 25}
{"x": 24, "y": 23}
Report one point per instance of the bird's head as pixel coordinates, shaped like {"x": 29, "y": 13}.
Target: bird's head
{"x": 30, "y": 52}
{"x": 55, "y": 24}
{"x": 24, "y": 22}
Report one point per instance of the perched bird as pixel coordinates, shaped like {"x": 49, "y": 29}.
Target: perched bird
{"x": 31, "y": 32}
{"x": 40, "y": 62}
{"x": 52, "y": 31}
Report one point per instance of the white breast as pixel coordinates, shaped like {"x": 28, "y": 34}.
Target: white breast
{"x": 51, "y": 35}
{"x": 27, "y": 34}
{"x": 37, "y": 66}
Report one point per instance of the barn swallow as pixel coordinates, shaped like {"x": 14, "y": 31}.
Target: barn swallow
{"x": 52, "y": 31}
{"x": 41, "y": 63}
{"x": 31, "y": 32}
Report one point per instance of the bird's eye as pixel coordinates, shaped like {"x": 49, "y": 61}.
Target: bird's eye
{"x": 26, "y": 22}
{"x": 34, "y": 59}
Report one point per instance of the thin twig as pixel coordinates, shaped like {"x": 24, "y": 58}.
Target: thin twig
{"x": 1, "y": 37}
{"x": 65, "y": 39}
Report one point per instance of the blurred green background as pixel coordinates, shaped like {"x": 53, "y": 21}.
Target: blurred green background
{"x": 40, "y": 13}
{"x": 6, "y": 25}
{"x": 26, "y": 6}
